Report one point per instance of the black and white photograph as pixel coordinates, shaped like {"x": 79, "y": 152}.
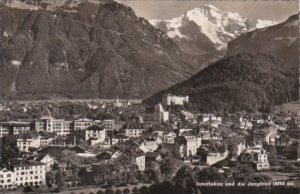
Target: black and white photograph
{"x": 149, "y": 97}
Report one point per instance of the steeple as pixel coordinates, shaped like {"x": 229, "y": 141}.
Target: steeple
{"x": 46, "y": 114}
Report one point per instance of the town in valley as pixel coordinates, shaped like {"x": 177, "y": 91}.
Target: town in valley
{"x": 127, "y": 146}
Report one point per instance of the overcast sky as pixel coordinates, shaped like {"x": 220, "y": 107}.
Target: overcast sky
{"x": 261, "y": 9}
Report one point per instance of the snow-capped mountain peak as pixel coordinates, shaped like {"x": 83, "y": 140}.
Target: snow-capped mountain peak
{"x": 218, "y": 26}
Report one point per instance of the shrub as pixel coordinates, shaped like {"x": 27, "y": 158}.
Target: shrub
{"x": 126, "y": 191}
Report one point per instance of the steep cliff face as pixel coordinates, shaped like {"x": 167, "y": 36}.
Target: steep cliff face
{"x": 86, "y": 51}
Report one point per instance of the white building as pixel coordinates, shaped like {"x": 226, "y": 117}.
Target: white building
{"x": 82, "y": 124}
{"x": 190, "y": 144}
{"x": 95, "y": 132}
{"x": 257, "y": 156}
{"x": 14, "y": 127}
{"x": 28, "y": 140}
{"x": 134, "y": 130}
{"x": 46, "y": 159}
{"x": 47, "y": 123}
{"x": 169, "y": 99}
{"x": 21, "y": 172}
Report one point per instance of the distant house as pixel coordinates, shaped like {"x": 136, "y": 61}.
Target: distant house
{"x": 256, "y": 156}
{"x": 261, "y": 136}
{"x": 135, "y": 155}
{"x": 190, "y": 144}
{"x": 134, "y": 130}
{"x": 95, "y": 133}
{"x": 46, "y": 159}
{"x": 283, "y": 140}
{"x": 169, "y": 137}
{"x": 28, "y": 140}
{"x": 169, "y": 99}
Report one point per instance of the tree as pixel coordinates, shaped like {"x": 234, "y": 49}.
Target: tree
{"x": 27, "y": 189}
{"x": 243, "y": 173}
{"x": 144, "y": 190}
{"x": 60, "y": 181}
{"x": 168, "y": 167}
{"x": 70, "y": 157}
{"x": 118, "y": 191}
{"x": 109, "y": 191}
{"x": 185, "y": 179}
{"x": 126, "y": 191}
{"x": 50, "y": 179}
{"x": 210, "y": 174}
{"x": 165, "y": 187}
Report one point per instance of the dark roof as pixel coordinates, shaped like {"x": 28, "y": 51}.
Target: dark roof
{"x": 28, "y": 135}
{"x": 15, "y": 162}
{"x": 55, "y": 151}
{"x": 41, "y": 156}
{"x": 135, "y": 126}
{"x": 95, "y": 128}
{"x": 47, "y": 135}
{"x": 78, "y": 149}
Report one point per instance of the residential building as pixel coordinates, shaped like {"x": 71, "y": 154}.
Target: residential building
{"x": 169, "y": 99}
{"x": 82, "y": 124}
{"x": 46, "y": 159}
{"x": 109, "y": 124}
{"x": 14, "y": 127}
{"x": 256, "y": 156}
{"x": 134, "y": 130}
{"x": 47, "y": 123}
{"x": 96, "y": 133}
{"x": 22, "y": 172}
{"x": 190, "y": 144}
{"x": 28, "y": 140}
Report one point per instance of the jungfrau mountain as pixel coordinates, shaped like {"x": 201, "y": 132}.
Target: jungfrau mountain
{"x": 207, "y": 29}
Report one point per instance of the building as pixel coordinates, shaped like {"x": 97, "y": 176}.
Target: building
{"x": 169, "y": 99}
{"x": 47, "y": 123}
{"x": 283, "y": 140}
{"x": 190, "y": 144}
{"x": 82, "y": 124}
{"x": 109, "y": 124}
{"x": 21, "y": 172}
{"x": 46, "y": 159}
{"x": 256, "y": 156}
{"x": 156, "y": 115}
{"x": 95, "y": 132}
{"x": 14, "y": 127}
{"x": 261, "y": 136}
{"x": 28, "y": 140}
{"x": 134, "y": 130}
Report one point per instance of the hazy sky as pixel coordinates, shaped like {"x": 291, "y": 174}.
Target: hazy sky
{"x": 261, "y": 9}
